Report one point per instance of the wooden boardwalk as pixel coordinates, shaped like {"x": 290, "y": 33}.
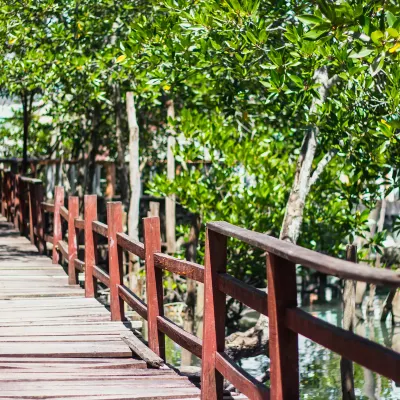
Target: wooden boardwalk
{"x": 55, "y": 343}
{"x": 58, "y": 342}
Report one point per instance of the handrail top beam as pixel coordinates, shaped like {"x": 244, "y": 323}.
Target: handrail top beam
{"x": 306, "y": 257}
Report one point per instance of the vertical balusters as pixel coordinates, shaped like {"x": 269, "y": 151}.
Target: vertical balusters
{"x": 213, "y": 315}
{"x": 90, "y": 215}
{"x": 115, "y": 261}
{"x": 283, "y": 346}
{"x": 154, "y": 287}
{"x": 73, "y": 212}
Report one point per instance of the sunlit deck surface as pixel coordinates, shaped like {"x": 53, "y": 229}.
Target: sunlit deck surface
{"x": 55, "y": 343}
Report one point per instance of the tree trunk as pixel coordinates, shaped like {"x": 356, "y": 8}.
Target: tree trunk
{"x": 349, "y": 322}
{"x": 135, "y": 186}
{"x": 303, "y": 179}
{"x": 121, "y": 165}
{"x": 199, "y": 310}
{"x": 170, "y": 207}
{"x": 255, "y": 340}
{"x": 387, "y": 305}
{"x": 379, "y": 228}
{"x": 27, "y": 105}
{"x": 369, "y": 380}
{"x": 189, "y": 319}
{"x": 93, "y": 148}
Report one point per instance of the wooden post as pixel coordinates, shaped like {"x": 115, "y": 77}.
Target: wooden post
{"x": 9, "y": 196}
{"x": 349, "y": 307}
{"x": 155, "y": 307}
{"x": 73, "y": 212}
{"x": 90, "y": 215}
{"x": 12, "y": 198}
{"x": 170, "y": 206}
{"x": 6, "y": 201}
{"x": 57, "y": 229}
{"x": 31, "y": 200}
{"x": 34, "y": 212}
{"x": 214, "y": 315}
{"x": 22, "y": 206}
{"x": 39, "y": 195}
{"x": 2, "y": 191}
{"x": 115, "y": 260}
{"x": 4, "y": 195}
{"x": 17, "y": 203}
{"x": 283, "y": 346}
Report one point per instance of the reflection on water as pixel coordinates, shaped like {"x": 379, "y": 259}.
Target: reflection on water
{"x": 320, "y": 368}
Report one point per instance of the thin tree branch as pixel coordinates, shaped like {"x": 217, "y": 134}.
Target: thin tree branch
{"x": 321, "y": 166}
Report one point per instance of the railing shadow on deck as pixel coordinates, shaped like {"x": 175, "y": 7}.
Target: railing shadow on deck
{"x": 22, "y": 203}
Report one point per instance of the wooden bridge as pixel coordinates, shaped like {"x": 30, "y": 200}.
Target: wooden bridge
{"x": 57, "y": 341}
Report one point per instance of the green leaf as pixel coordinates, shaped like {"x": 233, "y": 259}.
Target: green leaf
{"x": 326, "y": 9}
{"x": 317, "y": 32}
{"x": 297, "y": 80}
{"x": 362, "y": 53}
{"x": 392, "y": 32}
{"x": 377, "y": 64}
{"x": 376, "y": 36}
{"x": 310, "y": 19}
{"x": 391, "y": 19}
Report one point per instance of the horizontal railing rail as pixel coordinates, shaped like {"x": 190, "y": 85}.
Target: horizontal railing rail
{"x": 308, "y": 258}
{"x": 22, "y": 203}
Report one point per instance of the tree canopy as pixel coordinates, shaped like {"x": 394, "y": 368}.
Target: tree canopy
{"x": 268, "y": 96}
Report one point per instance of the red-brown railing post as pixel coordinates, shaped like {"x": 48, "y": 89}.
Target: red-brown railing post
{"x": 213, "y": 315}
{"x": 283, "y": 346}
{"x": 73, "y": 212}
{"x": 9, "y": 196}
{"x": 57, "y": 228}
{"x": 2, "y": 191}
{"x": 90, "y": 215}
{"x": 22, "y": 206}
{"x": 154, "y": 286}
{"x": 115, "y": 262}
{"x": 17, "y": 202}
{"x": 38, "y": 194}
{"x": 31, "y": 200}
{"x": 12, "y": 186}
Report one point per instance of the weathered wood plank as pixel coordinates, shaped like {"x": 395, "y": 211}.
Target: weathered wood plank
{"x": 77, "y": 349}
{"x": 55, "y": 343}
{"x": 104, "y": 337}
{"x": 139, "y": 348}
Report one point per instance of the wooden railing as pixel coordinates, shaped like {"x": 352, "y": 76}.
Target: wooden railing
{"x": 286, "y": 320}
